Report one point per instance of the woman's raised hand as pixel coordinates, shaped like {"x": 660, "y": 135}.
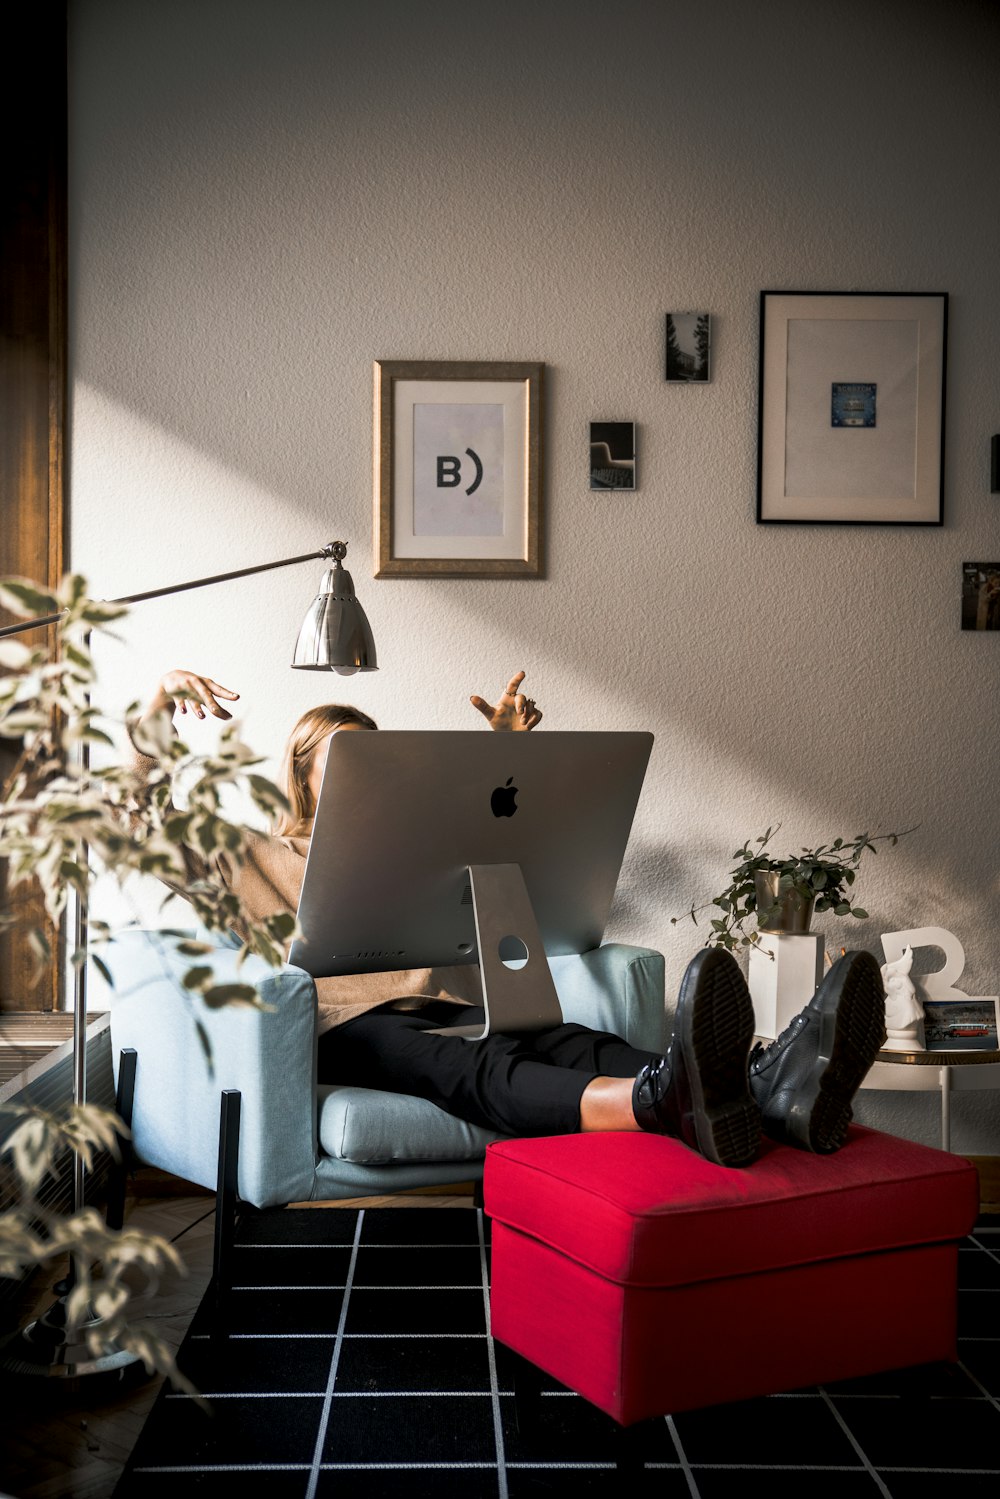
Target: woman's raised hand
{"x": 190, "y": 692}
{"x": 512, "y": 711}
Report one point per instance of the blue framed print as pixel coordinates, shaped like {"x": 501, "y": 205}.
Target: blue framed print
{"x": 851, "y": 405}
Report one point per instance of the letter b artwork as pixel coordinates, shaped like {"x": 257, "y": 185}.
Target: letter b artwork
{"x": 449, "y": 471}
{"x": 458, "y": 469}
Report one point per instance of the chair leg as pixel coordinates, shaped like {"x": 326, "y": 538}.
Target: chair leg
{"x": 225, "y": 1205}
{"x": 124, "y": 1102}
{"x": 526, "y": 1379}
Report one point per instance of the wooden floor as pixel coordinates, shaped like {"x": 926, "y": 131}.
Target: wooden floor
{"x": 63, "y": 1443}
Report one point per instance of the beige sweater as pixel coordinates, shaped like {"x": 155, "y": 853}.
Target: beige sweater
{"x": 269, "y": 880}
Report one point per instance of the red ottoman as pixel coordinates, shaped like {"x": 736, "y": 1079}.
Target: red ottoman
{"x": 650, "y": 1280}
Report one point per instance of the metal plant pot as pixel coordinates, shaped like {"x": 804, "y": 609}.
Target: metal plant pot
{"x": 789, "y": 912}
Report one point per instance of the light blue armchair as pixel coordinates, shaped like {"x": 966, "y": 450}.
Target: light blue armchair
{"x": 298, "y": 1141}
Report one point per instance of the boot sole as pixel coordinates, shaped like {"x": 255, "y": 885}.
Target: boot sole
{"x": 852, "y": 1029}
{"x": 715, "y": 1030}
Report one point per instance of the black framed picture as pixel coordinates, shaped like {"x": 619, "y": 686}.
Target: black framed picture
{"x": 961, "y": 1024}
{"x": 612, "y": 455}
{"x": 851, "y": 408}
{"x": 689, "y": 348}
{"x": 981, "y": 595}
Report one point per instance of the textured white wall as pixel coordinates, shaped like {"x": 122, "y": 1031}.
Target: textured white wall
{"x": 268, "y": 195}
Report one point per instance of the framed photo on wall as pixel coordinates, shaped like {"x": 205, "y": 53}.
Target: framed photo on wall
{"x": 851, "y": 408}
{"x": 981, "y": 595}
{"x": 612, "y": 455}
{"x": 458, "y": 469}
{"x": 689, "y": 345}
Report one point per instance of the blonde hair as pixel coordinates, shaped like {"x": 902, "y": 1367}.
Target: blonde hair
{"x": 315, "y": 725}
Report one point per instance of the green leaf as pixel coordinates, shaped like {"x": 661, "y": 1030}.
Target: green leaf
{"x": 99, "y": 613}
{"x": 22, "y": 596}
{"x": 859, "y": 913}
{"x": 14, "y": 655}
{"x": 178, "y": 826}
{"x": 231, "y": 994}
{"x": 93, "y": 736}
{"x": 198, "y": 976}
{"x": 72, "y": 589}
{"x": 103, "y": 970}
{"x": 77, "y": 656}
{"x": 22, "y": 721}
{"x": 281, "y": 925}
{"x": 206, "y": 1044}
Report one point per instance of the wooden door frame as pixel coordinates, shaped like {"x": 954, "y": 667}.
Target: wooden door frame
{"x": 34, "y": 255}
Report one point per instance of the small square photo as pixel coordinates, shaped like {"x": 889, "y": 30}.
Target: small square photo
{"x": 981, "y": 595}
{"x": 612, "y": 455}
{"x": 689, "y": 341}
{"x": 961, "y": 1024}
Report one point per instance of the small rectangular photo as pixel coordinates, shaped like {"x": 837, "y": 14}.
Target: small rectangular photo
{"x": 981, "y": 595}
{"x": 612, "y": 455}
{"x": 852, "y": 403}
{"x": 961, "y": 1024}
{"x": 689, "y": 342}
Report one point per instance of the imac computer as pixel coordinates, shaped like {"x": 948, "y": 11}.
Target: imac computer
{"x": 437, "y": 848}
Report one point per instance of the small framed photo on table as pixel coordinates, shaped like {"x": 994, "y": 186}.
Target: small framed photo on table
{"x": 458, "y": 469}
{"x": 851, "y": 408}
{"x": 961, "y": 1024}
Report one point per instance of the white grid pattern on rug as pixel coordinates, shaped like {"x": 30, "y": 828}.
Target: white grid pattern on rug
{"x": 386, "y": 1381}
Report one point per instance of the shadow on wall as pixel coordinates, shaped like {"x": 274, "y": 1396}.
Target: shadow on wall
{"x": 766, "y": 745}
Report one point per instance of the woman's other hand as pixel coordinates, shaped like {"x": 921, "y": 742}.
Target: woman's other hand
{"x": 190, "y": 692}
{"x": 512, "y": 711}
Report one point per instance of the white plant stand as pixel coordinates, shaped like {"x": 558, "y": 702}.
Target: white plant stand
{"x": 783, "y": 975}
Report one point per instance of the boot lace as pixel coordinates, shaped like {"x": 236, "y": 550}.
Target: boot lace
{"x": 760, "y": 1054}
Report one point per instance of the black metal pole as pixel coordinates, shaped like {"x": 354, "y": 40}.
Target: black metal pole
{"x": 332, "y": 549}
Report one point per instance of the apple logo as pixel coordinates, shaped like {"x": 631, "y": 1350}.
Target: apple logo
{"x": 502, "y": 803}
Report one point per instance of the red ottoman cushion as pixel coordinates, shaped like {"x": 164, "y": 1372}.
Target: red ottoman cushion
{"x": 619, "y": 1233}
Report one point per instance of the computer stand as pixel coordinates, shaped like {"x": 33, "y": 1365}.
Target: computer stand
{"x": 521, "y": 997}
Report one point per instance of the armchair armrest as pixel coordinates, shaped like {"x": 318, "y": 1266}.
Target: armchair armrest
{"x": 188, "y": 1053}
{"x": 615, "y": 988}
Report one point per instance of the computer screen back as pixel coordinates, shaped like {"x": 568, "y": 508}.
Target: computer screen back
{"x": 402, "y": 814}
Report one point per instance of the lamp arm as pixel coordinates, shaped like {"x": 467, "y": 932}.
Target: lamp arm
{"x": 335, "y": 549}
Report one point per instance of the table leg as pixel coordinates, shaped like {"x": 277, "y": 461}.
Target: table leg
{"x": 944, "y": 1076}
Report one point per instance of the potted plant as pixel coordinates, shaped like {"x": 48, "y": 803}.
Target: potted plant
{"x": 781, "y": 894}
{"x": 60, "y": 821}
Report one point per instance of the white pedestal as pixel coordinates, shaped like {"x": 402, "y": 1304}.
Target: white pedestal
{"x": 783, "y": 976}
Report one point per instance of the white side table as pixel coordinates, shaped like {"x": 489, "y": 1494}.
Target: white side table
{"x": 948, "y": 1071}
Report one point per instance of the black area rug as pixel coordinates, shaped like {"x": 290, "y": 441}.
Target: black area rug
{"x": 359, "y": 1363}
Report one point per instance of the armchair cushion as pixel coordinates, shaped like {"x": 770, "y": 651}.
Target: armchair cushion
{"x": 608, "y": 989}
{"x": 375, "y": 1129}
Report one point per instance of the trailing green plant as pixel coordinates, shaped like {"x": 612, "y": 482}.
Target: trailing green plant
{"x": 825, "y": 874}
{"x": 62, "y": 823}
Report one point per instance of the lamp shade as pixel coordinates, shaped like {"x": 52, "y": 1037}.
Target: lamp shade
{"x": 335, "y": 634}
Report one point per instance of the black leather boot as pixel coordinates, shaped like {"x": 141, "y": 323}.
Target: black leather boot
{"x": 700, "y": 1092}
{"x": 805, "y": 1081}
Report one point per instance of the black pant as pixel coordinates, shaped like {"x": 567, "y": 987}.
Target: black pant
{"x": 528, "y": 1083}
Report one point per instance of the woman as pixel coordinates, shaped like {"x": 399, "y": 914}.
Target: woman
{"x": 383, "y": 1030}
